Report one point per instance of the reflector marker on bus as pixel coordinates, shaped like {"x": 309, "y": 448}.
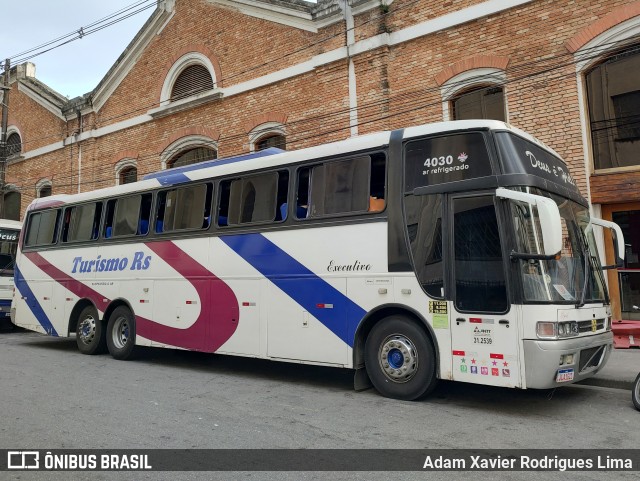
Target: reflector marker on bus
{"x": 248, "y": 304}
{"x": 458, "y": 353}
{"x": 479, "y": 320}
{"x": 324, "y": 306}
{"x": 191, "y": 302}
{"x": 144, "y": 301}
{"x": 45, "y": 298}
{"x": 496, "y": 356}
{"x": 68, "y": 299}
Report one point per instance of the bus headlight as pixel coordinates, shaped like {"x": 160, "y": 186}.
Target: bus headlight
{"x": 547, "y": 330}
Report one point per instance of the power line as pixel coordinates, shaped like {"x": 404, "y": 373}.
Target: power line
{"x": 406, "y": 97}
{"x": 83, "y": 31}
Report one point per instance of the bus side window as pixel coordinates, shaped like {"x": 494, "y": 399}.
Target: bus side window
{"x": 302, "y": 198}
{"x": 377, "y": 183}
{"x": 254, "y": 199}
{"x": 108, "y": 222}
{"x": 42, "y": 229}
{"x": 340, "y": 187}
{"x": 283, "y": 191}
{"x": 145, "y": 214}
{"x": 223, "y": 207}
{"x": 183, "y": 208}
{"x": 81, "y": 222}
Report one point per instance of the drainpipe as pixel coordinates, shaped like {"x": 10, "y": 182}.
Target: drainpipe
{"x": 78, "y": 134}
{"x": 351, "y": 40}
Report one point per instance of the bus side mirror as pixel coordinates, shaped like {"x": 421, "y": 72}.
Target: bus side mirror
{"x": 618, "y": 241}
{"x": 550, "y": 222}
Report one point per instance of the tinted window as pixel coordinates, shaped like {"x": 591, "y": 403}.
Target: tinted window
{"x": 449, "y": 158}
{"x": 81, "y": 223}
{"x": 479, "y": 271}
{"x": 424, "y": 225}
{"x": 518, "y": 155}
{"x": 128, "y": 216}
{"x": 256, "y": 198}
{"x": 42, "y": 228}
{"x": 184, "y": 208}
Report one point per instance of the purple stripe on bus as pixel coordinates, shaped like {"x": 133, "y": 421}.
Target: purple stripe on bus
{"x": 218, "y": 318}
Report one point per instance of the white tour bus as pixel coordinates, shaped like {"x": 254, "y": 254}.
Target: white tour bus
{"x": 9, "y": 234}
{"x": 457, "y": 250}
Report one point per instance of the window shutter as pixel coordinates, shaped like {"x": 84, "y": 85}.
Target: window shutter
{"x": 191, "y": 81}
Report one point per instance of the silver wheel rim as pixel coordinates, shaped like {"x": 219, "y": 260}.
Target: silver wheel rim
{"x": 636, "y": 391}
{"x": 120, "y": 332}
{"x": 398, "y": 358}
{"x": 87, "y": 329}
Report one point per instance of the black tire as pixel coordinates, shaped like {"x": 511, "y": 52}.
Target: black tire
{"x": 90, "y": 332}
{"x": 121, "y": 334}
{"x": 635, "y": 393}
{"x": 400, "y": 359}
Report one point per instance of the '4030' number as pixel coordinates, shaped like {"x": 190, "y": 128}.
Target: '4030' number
{"x": 438, "y": 161}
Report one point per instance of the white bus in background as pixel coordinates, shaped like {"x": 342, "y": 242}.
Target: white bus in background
{"x": 9, "y": 235}
{"x": 457, "y": 250}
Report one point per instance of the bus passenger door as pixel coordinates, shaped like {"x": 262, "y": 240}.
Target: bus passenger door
{"x": 484, "y": 326}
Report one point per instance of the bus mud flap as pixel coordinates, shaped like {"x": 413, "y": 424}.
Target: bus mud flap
{"x": 361, "y": 381}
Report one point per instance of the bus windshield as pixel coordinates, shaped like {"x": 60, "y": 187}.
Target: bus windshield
{"x": 576, "y": 276}
{"x": 8, "y": 248}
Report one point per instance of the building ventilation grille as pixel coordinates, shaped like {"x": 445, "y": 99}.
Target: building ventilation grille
{"x": 191, "y": 81}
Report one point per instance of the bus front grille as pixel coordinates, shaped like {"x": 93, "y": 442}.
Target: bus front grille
{"x": 590, "y": 357}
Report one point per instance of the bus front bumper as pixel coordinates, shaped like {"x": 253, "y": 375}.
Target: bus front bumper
{"x": 543, "y": 359}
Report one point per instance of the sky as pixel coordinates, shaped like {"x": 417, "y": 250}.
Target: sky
{"x": 77, "y": 67}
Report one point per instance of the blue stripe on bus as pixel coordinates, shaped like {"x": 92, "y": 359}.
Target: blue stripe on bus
{"x": 36, "y": 308}
{"x": 211, "y": 163}
{"x": 299, "y": 283}
{"x": 5, "y": 302}
{"x": 173, "y": 179}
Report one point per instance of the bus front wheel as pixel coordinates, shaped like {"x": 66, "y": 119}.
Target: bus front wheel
{"x": 121, "y": 333}
{"x": 400, "y": 359}
{"x": 90, "y": 335}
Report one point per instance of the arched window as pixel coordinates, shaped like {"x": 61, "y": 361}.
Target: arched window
{"x": 43, "y": 188}
{"x": 475, "y": 94}
{"x": 191, "y": 81}
{"x": 271, "y": 140}
{"x": 192, "y": 156}
{"x": 266, "y": 135}
{"x": 613, "y": 94}
{"x": 128, "y": 175}
{"x": 12, "y": 200}
{"x": 479, "y": 103}
{"x": 14, "y": 144}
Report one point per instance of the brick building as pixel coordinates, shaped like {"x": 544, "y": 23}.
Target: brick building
{"x": 213, "y": 78}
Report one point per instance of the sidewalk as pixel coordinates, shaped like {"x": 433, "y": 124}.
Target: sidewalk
{"x": 620, "y": 371}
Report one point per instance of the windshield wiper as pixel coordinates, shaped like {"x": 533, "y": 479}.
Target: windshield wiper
{"x": 583, "y": 245}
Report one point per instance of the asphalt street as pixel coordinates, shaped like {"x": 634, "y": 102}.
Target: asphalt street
{"x": 53, "y": 397}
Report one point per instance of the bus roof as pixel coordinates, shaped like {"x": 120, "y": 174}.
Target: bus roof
{"x": 10, "y": 224}
{"x": 271, "y": 158}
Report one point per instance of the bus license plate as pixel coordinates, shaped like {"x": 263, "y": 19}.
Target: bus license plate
{"x": 564, "y": 375}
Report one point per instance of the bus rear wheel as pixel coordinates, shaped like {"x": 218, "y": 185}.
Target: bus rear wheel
{"x": 400, "y": 359}
{"x": 121, "y": 333}
{"x": 90, "y": 333}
